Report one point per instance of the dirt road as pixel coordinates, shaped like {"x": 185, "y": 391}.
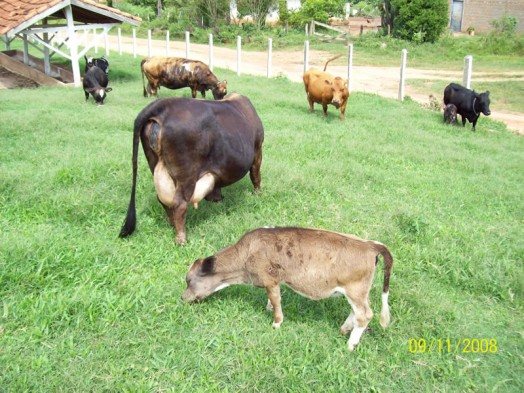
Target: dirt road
{"x": 383, "y": 81}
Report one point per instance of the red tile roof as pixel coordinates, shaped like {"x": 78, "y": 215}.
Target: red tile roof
{"x": 13, "y": 13}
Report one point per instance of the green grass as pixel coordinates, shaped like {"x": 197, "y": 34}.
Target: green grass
{"x": 81, "y": 310}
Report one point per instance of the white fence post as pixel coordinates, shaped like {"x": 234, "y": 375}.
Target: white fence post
{"x": 134, "y": 43}
{"x": 468, "y": 66}
{"x": 167, "y": 43}
{"x": 269, "y": 55}
{"x": 106, "y": 42}
{"x": 306, "y": 28}
{"x": 187, "y": 44}
{"x": 211, "y": 52}
{"x": 239, "y": 50}
{"x": 402, "y": 74}
{"x": 149, "y": 43}
{"x": 96, "y": 41}
{"x": 306, "y": 55}
{"x": 120, "y": 41}
{"x": 350, "y": 67}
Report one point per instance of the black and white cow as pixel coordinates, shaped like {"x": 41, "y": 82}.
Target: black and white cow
{"x": 100, "y": 62}
{"x": 95, "y": 83}
{"x": 469, "y": 103}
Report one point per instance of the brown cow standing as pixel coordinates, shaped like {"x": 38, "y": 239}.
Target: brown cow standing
{"x": 324, "y": 88}
{"x": 176, "y": 73}
{"x": 315, "y": 263}
{"x": 194, "y": 148}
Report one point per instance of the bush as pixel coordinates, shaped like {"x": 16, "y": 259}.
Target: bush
{"x": 417, "y": 20}
{"x": 319, "y": 10}
{"x": 506, "y": 25}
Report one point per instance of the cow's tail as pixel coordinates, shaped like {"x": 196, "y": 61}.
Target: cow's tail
{"x": 130, "y": 223}
{"x": 333, "y": 58}
{"x": 388, "y": 265}
{"x": 143, "y": 81}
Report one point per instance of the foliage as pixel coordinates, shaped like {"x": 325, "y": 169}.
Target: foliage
{"x": 257, "y": 9}
{"x": 319, "y": 10}
{"x": 506, "y": 25}
{"x": 416, "y": 20}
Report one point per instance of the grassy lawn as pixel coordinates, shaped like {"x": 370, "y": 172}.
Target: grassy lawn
{"x": 82, "y": 310}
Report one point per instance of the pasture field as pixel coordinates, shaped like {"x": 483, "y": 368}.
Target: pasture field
{"x": 82, "y": 310}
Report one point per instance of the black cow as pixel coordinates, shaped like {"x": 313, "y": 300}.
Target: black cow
{"x": 194, "y": 148}
{"x": 469, "y": 103}
{"x": 450, "y": 114}
{"x": 100, "y": 62}
{"x": 95, "y": 83}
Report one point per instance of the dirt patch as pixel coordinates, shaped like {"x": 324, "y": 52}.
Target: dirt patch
{"x": 11, "y": 80}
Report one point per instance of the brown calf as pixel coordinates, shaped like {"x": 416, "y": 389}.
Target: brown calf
{"x": 323, "y": 88}
{"x": 313, "y": 262}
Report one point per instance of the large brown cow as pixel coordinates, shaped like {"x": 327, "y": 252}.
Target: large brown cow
{"x": 176, "y": 73}
{"x": 194, "y": 148}
{"x": 324, "y": 88}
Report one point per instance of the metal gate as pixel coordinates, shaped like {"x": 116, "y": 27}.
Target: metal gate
{"x": 456, "y": 15}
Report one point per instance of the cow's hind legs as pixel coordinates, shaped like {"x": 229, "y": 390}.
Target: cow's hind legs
{"x": 215, "y": 195}
{"x": 254, "y": 171}
{"x": 362, "y": 315}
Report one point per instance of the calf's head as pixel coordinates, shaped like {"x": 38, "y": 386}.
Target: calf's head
{"x": 202, "y": 280}
{"x": 450, "y": 114}
{"x": 99, "y": 93}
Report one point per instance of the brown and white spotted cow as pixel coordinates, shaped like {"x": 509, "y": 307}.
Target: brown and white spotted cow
{"x": 178, "y": 72}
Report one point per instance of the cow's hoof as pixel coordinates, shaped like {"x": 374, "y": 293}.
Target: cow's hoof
{"x": 180, "y": 240}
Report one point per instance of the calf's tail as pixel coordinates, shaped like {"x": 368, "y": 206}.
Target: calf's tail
{"x": 130, "y": 223}
{"x": 388, "y": 265}
{"x": 333, "y": 58}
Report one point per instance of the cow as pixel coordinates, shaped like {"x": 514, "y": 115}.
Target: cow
{"x": 95, "y": 83}
{"x": 100, "y": 62}
{"x": 315, "y": 263}
{"x": 323, "y": 88}
{"x": 450, "y": 114}
{"x": 469, "y": 103}
{"x": 176, "y": 73}
{"x": 194, "y": 148}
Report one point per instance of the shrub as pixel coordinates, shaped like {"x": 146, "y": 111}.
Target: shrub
{"x": 506, "y": 25}
{"x": 319, "y": 10}
{"x": 416, "y": 20}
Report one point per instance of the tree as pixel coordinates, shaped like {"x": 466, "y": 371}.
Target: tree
{"x": 214, "y": 11}
{"x": 258, "y": 9}
{"x": 415, "y": 20}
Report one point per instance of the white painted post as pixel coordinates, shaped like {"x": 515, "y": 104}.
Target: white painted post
{"x": 269, "y": 55}
{"x": 120, "y": 41}
{"x": 468, "y": 66}
{"x": 106, "y": 42}
{"x": 26, "y": 50}
{"x": 95, "y": 40}
{"x": 350, "y": 67}
{"x": 187, "y": 44}
{"x": 306, "y": 55}
{"x": 149, "y": 43}
{"x": 211, "y": 52}
{"x": 167, "y": 43}
{"x": 306, "y": 27}
{"x": 73, "y": 45}
{"x": 239, "y": 49}
{"x": 402, "y": 74}
{"x": 134, "y": 43}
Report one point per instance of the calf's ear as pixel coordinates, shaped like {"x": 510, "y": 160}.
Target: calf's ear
{"x": 208, "y": 265}
{"x": 108, "y": 89}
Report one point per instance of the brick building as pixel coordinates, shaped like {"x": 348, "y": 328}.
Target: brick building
{"x": 480, "y": 13}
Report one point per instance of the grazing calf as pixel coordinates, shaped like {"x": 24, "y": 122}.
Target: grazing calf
{"x": 313, "y": 262}
{"x": 469, "y": 104}
{"x": 450, "y": 114}
{"x": 323, "y": 88}
{"x": 95, "y": 83}
{"x": 100, "y": 62}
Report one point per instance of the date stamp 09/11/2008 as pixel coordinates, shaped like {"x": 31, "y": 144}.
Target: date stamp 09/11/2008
{"x": 450, "y": 345}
